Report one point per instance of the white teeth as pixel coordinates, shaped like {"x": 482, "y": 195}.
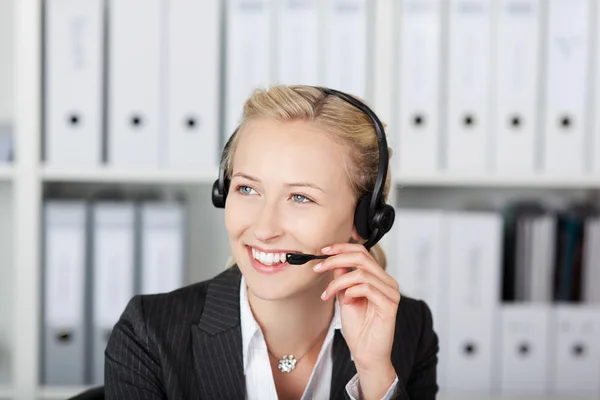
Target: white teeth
{"x": 268, "y": 258}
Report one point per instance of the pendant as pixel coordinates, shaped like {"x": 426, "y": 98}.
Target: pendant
{"x": 287, "y": 364}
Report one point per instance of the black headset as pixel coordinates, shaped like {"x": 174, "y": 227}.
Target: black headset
{"x": 373, "y": 218}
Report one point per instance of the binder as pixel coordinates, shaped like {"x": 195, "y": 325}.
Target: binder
{"x": 421, "y": 270}
{"x": 64, "y": 276}
{"x": 162, "y": 247}
{"x": 518, "y": 46}
{"x": 468, "y": 91}
{"x": 6, "y": 143}
{"x": 419, "y": 85}
{"x": 576, "y": 363}
{"x": 134, "y": 83}
{"x": 591, "y": 262}
{"x": 248, "y": 55}
{"x": 473, "y": 242}
{"x": 193, "y": 31}
{"x": 565, "y": 101}
{"x": 525, "y": 348}
{"x": 595, "y": 94}
{"x": 113, "y": 273}
{"x": 346, "y": 46}
{"x": 298, "y": 42}
{"x": 73, "y": 80}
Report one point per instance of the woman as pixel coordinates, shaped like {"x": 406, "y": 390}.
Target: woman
{"x": 334, "y": 327}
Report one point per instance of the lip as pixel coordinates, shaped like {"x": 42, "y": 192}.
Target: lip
{"x": 265, "y": 269}
{"x": 272, "y": 250}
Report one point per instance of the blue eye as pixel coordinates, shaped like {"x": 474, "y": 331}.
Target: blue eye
{"x": 300, "y": 199}
{"x": 245, "y": 190}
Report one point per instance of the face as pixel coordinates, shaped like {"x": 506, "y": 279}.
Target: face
{"x": 288, "y": 193}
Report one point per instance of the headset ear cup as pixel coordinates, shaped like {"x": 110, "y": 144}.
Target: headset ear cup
{"x": 384, "y": 218}
{"x": 361, "y": 217}
{"x": 218, "y": 197}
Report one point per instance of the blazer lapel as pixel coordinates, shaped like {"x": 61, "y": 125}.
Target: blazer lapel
{"x": 343, "y": 367}
{"x": 217, "y": 340}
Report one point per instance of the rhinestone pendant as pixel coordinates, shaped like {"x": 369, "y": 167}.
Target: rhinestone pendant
{"x": 287, "y": 364}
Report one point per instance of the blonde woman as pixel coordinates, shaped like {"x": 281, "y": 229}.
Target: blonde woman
{"x": 298, "y": 177}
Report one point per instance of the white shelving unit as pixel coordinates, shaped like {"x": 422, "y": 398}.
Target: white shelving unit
{"x": 28, "y": 177}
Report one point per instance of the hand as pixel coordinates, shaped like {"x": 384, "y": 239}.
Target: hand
{"x": 368, "y": 298}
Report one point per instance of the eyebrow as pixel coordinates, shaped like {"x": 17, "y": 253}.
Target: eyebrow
{"x": 291, "y": 184}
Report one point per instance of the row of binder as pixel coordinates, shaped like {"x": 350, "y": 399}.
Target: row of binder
{"x": 97, "y": 255}
{"x": 455, "y": 260}
{"x": 506, "y": 85}
{"x": 137, "y": 83}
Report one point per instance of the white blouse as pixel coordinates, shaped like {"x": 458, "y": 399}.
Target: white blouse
{"x": 260, "y": 384}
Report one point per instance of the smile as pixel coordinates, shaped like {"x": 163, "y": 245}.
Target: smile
{"x": 268, "y": 258}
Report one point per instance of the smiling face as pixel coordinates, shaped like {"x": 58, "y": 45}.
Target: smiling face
{"x": 289, "y": 192}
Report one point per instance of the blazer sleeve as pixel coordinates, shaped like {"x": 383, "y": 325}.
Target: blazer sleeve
{"x": 132, "y": 370}
{"x": 422, "y": 381}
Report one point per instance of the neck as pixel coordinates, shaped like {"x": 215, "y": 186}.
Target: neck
{"x": 292, "y": 325}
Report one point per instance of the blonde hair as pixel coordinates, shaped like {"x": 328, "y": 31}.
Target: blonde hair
{"x": 346, "y": 125}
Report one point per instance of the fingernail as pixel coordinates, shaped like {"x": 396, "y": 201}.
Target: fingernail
{"x": 326, "y": 249}
{"x": 319, "y": 265}
{"x": 324, "y": 294}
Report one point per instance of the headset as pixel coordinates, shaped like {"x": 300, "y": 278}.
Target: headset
{"x": 373, "y": 218}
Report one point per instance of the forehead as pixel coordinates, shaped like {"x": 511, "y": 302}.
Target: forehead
{"x": 290, "y": 150}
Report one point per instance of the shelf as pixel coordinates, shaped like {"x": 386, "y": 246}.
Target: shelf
{"x": 60, "y": 392}
{"x": 539, "y": 181}
{"x": 124, "y": 175}
{"x": 6, "y": 172}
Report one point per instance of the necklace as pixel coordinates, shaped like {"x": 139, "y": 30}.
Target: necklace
{"x": 288, "y": 363}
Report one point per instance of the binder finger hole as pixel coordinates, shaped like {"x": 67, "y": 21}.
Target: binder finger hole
{"x": 524, "y": 349}
{"x": 469, "y": 120}
{"x": 515, "y": 121}
{"x": 191, "y": 123}
{"x": 578, "y": 350}
{"x": 470, "y": 348}
{"x": 565, "y": 122}
{"x": 64, "y": 337}
{"x": 136, "y": 120}
{"x": 73, "y": 119}
{"x": 418, "y": 120}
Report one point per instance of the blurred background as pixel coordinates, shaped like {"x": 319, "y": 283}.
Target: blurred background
{"x": 113, "y": 115}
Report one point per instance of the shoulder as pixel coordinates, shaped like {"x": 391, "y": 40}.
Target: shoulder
{"x": 415, "y": 339}
{"x": 162, "y": 313}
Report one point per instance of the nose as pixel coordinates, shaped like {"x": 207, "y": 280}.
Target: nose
{"x": 268, "y": 224}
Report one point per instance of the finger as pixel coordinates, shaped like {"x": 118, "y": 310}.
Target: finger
{"x": 358, "y": 260}
{"x": 385, "y": 306}
{"x": 358, "y": 277}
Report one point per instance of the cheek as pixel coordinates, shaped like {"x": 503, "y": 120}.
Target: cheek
{"x": 237, "y": 217}
{"x": 320, "y": 229}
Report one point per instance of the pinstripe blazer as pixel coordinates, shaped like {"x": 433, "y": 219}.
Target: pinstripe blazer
{"x": 187, "y": 344}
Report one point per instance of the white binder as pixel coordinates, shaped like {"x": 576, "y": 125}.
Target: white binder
{"x": 595, "y": 96}
{"x": 419, "y": 84}
{"x": 525, "y": 349}
{"x": 248, "y": 55}
{"x": 113, "y": 273}
{"x": 473, "y": 254}
{"x": 468, "y": 86}
{"x": 421, "y": 269}
{"x": 65, "y": 259}
{"x": 566, "y": 86}
{"x": 298, "y": 42}
{"x": 193, "y": 33}
{"x": 73, "y": 97}
{"x": 518, "y": 48}
{"x": 346, "y": 45}
{"x": 162, "y": 247}
{"x": 576, "y": 350}
{"x": 134, "y": 95}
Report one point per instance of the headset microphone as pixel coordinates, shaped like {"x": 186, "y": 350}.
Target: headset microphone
{"x": 301, "y": 258}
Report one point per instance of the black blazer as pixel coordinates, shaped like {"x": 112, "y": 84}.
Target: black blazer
{"x": 187, "y": 344}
